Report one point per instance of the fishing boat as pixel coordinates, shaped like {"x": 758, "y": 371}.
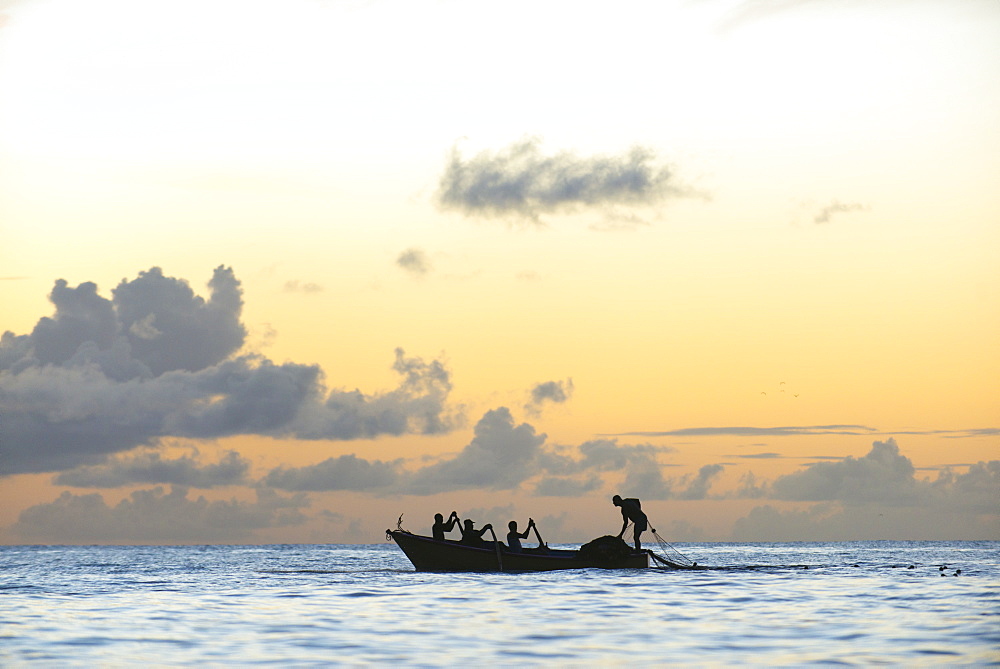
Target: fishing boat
{"x": 428, "y": 554}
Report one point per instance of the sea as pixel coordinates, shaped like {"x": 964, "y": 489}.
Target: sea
{"x": 752, "y": 604}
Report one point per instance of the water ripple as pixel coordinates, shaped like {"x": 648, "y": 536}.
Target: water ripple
{"x": 758, "y": 604}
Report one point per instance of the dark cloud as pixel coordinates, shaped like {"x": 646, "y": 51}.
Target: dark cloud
{"x": 153, "y": 516}
{"x": 347, "y": 472}
{"x": 556, "y": 392}
{"x": 521, "y": 182}
{"x": 414, "y": 261}
{"x": 105, "y": 376}
{"x": 170, "y": 328}
{"x": 150, "y": 467}
{"x": 500, "y": 456}
{"x": 418, "y": 405}
{"x": 826, "y": 213}
{"x": 152, "y": 325}
{"x": 609, "y": 455}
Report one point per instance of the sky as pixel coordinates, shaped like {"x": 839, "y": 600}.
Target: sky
{"x": 279, "y": 272}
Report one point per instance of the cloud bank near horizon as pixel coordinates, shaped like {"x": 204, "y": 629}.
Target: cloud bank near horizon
{"x": 105, "y": 376}
{"x": 843, "y": 497}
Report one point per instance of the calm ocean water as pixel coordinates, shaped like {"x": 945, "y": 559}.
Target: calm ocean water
{"x": 758, "y": 604}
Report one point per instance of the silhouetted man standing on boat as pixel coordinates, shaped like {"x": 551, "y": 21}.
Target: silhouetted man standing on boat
{"x": 440, "y": 527}
{"x": 632, "y": 510}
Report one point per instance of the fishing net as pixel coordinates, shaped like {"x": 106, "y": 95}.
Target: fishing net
{"x": 671, "y": 557}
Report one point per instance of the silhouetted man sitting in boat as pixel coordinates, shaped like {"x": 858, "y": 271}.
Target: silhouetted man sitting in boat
{"x": 632, "y": 510}
{"x": 473, "y": 537}
{"x": 514, "y": 538}
{"x": 440, "y": 527}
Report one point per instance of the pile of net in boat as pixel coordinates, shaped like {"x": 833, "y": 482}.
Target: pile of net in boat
{"x": 606, "y": 551}
{"x": 609, "y": 551}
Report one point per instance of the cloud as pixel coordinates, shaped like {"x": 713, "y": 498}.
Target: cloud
{"x": 500, "y": 456}
{"x": 347, "y": 472}
{"x": 827, "y": 212}
{"x": 153, "y": 516}
{"x": 521, "y": 182}
{"x": 609, "y": 455}
{"x": 564, "y": 486}
{"x": 755, "y": 431}
{"x": 106, "y": 376}
{"x": 876, "y": 496}
{"x": 697, "y": 486}
{"x": 414, "y": 261}
{"x": 296, "y": 286}
{"x": 749, "y": 488}
{"x": 152, "y": 325}
{"x": 645, "y": 480}
{"x": 883, "y": 475}
{"x": 555, "y": 392}
{"x": 150, "y": 467}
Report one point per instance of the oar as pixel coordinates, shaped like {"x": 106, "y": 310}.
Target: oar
{"x": 496, "y": 544}
{"x": 541, "y": 544}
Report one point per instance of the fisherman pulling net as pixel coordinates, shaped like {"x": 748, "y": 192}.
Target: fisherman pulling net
{"x": 633, "y": 515}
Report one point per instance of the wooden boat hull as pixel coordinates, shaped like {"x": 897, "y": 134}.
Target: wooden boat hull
{"x": 427, "y": 554}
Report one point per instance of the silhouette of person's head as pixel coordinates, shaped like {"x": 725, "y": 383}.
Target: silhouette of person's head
{"x": 616, "y": 500}
{"x": 512, "y": 525}
{"x": 438, "y": 518}
{"x": 468, "y": 524}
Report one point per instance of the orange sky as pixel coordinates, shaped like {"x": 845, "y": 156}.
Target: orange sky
{"x": 321, "y": 263}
